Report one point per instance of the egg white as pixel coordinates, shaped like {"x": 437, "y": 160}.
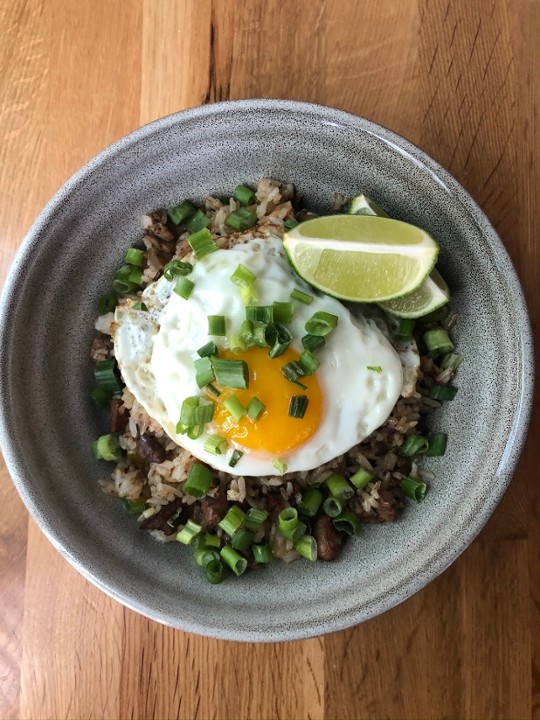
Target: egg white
{"x": 155, "y": 352}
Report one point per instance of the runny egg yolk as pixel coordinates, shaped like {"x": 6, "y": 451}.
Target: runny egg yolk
{"x": 274, "y": 432}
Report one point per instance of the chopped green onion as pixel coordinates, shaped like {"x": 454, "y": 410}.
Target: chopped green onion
{"x": 233, "y": 520}
{"x": 348, "y": 523}
{"x": 451, "y": 361}
{"x": 361, "y": 478}
{"x": 414, "y": 488}
{"x": 231, "y": 373}
{"x": 241, "y": 220}
{"x": 437, "y": 445}
{"x": 283, "y": 312}
{"x": 236, "y": 344}
{"x": 134, "y": 256}
{"x": 278, "y": 338}
{"x": 308, "y": 362}
{"x": 242, "y": 539}
{"x": 405, "y": 328}
{"x": 140, "y": 306}
{"x": 244, "y": 195}
{"x": 249, "y": 294}
{"x": 338, "y": 487}
{"x": 437, "y": 342}
{"x": 189, "y": 532}
{"x": 209, "y": 349}
{"x": 307, "y": 547}
{"x": 214, "y": 572}
{"x": 289, "y": 525}
{"x": 255, "y": 409}
{"x": 242, "y": 276}
{"x": 135, "y": 276}
{"x": 212, "y": 540}
{"x": 198, "y": 481}
{"x": 254, "y": 519}
{"x": 133, "y": 507}
{"x": 184, "y": 287}
{"x": 123, "y": 272}
{"x": 236, "y": 562}
{"x": 442, "y": 392}
{"x": 101, "y": 397}
{"x": 235, "y": 457}
{"x": 234, "y": 407}
{"x": 215, "y": 445}
{"x": 374, "y": 368}
{"x": 246, "y": 333}
{"x": 204, "y": 373}
{"x": 196, "y": 411}
{"x": 311, "y": 501}
{"x": 259, "y": 336}
{"x": 321, "y": 323}
{"x": 301, "y": 296}
{"x": 107, "y": 302}
{"x": 280, "y": 466}
{"x": 181, "y": 212}
{"x": 414, "y": 445}
{"x": 181, "y": 428}
{"x": 291, "y": 223}
{"x": 262, "y": 554}
{"x": 216, "y": 325}
{"x": 195, "y": 431}
{"x": 293, "y": 371}
{"x": 205, "y": 555}
{"x": 313, "y": 342}
{"x": 332, "y": 507}
{"x": 176, "y": 268}
{"x": 198, "y": 222}
{"x": 298, "y": 406}
{"x": 202, "y": 243}
{"x": 122, "y": 287}
{"x": 260, "y": 313}
{"x": 106, "y": 377}
{"x": 213, "y": 390}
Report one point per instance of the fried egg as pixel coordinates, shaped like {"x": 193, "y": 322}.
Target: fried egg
{"x": 350, "y": 395}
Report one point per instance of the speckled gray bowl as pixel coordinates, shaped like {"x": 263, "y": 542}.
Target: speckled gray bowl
{"x": 69, "y": 259}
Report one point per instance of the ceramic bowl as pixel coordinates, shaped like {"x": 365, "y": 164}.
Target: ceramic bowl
{"x": 47, "y": 314}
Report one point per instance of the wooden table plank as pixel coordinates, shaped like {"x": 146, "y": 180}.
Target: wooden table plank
{"x": 458, "y": 78}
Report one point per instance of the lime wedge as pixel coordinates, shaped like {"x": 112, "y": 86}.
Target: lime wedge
{"x": 432, "y": 294}
{"x": 362, "y": 205}
{"x": 361, "y": 258}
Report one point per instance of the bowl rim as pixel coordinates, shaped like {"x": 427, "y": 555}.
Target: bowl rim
{"x": 513, "y": 445}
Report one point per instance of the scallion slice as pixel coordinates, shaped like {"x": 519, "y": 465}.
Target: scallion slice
{"x": 307, "y": 547}
{"x": 437, "y": 444}
{"x": 321, "y": 323}
{"x": 215, "y": 445}
{"x": 249, "y": 294}
{"x": 283, "y": 312}
{"x": 280, "y": 466}
{"x": 255, "y": 409}
{"x": 260, "y": 313}
{"x": 451, "y": 361}
{"x": 289, "y": 525}
{"x": 214, "y": 572}
{"x": 437, "y": 342}
{"x": 231, "y": 373}
{"x": 233, "y": 520}
{"x": 205, "y": 555}
{"x": 338, "y": 487}
{"x": 236, "y": 344}
{"x": 361, "y": 478}
{"x": 196, "y": 411}
{"x": 198, "y": 222}
{"x": 123, "y": 272}
{"x": 235, "y": 457}
{"x": 405, "y": 328}
{"x": 134, "y": 256}
{"x": 301, "y": 296}
{"x": 374, "y": 368}
{"x": 442, "y": 392}
{"x": 244, "y": 195}
{"x": 414, "y": 488}
{"x": 107, "y": 302}
{"x": 106, "y": 377}
{"x": 195, "y": 431}
{"x": 184, "y": 287}
{"x": 189, "y": 532}
{"x": 348, "y": 523}
{"x": 242, "y": 539}
{"x": 254, "y": 519}
{"x": 298, "y": 406}
{"x": 241, "y": 219}
{"x": 107, "y": 447}
{"x": 202, "y": 243}
{"x": 213, "y": 390}
{"x": 204, "y": 373}
{"x": 308, "y": 362}
{"x": 291, "y": 223}
{"x": 311, "y": 501}
{"x": 182, "y": 212}
{"x": 209, "y": 349}
{"x": 133, "y": 507}
{"x": 216, "y": 325}
{"x": 101, "y": 397}
{"x": 312, "y": 343}
{"x": 278, "y": 338}
{"x": 242, "y": 276}
{"x": 212, "y": 540}
{"x": 332, "y": 507}
{"x": 234, "y": 407}
{"x": 236, "y": 562}
{"x": 262, "y": 554}
{"x": 176, "y": 268}
{"x": 293, "y": 371}
{"x": 135, "y": 276}
{"x": 414, "y": 445}
{"x": 259, "y": 335}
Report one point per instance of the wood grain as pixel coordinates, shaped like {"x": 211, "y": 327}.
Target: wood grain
{"x": 458, "y": 78}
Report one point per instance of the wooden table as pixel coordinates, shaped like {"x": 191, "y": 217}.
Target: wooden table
{"x": 459, "y": 78}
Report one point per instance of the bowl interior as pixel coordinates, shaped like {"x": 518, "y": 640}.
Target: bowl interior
{"x": 49, "y": 308}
